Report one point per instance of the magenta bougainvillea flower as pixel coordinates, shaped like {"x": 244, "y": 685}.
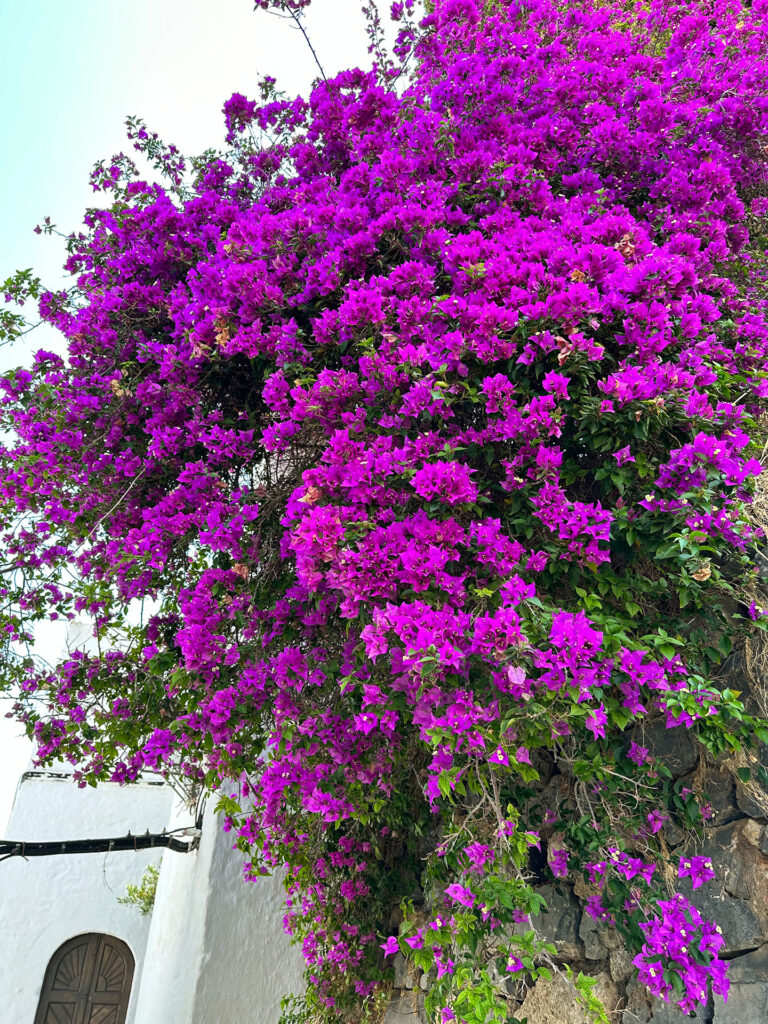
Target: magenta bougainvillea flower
{"x": 402, "y": 459}
{"x": 698, "y": 869}
{"x": 558, "y": 862}
{"x": 460, "y": 894}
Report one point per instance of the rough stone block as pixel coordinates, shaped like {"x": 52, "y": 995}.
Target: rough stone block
{"x": 676, "y": 747}
{"x": 404, "y": 1009}
{"x": 736, "y": 898}
{"x": 668, "y": 1013}
{"x": 752, "y": 801}
{"x": 555, "y": 1002}
{"x": 643, "y": 1008}
{"x": 747, "y": 1004}
{"x": 751, "y": 968}
{"x": 748, "y": 997}
{"x": 560, "y": 923}
{"x": 589, "y": 934}
{"x": 620, "y": 963}
{"x": 741, "y": 928}
{"x": 720, "y": 790}
{"x": 673, "y": 835}
{"x": 405, "y": 976}
{"x": 638, "y": 1004}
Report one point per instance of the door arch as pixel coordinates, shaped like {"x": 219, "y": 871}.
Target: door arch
{"x": 88, "y": 981}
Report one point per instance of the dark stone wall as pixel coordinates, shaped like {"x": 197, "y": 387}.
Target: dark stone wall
{"x": 735, "y": 838}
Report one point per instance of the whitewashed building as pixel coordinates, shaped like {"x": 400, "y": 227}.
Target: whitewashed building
{"x": 213, "y": 950}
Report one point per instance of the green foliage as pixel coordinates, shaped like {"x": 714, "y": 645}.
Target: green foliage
{"x": 142, "y": 896}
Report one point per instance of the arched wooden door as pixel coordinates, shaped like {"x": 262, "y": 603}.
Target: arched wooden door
{"x": 88, "y": 981}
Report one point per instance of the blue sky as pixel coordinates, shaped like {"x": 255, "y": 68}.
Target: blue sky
{"x": 70, "y": 74}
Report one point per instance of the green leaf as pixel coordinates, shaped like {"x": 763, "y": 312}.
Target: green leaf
{"x": 725, "y": 644}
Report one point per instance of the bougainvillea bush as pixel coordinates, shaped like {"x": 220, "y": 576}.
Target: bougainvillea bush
{"x": 423, "y": 421}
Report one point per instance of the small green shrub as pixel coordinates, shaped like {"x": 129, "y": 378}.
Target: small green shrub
{"x": 143, "y": 894}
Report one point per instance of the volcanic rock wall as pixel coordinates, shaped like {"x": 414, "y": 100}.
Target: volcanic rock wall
{"x": 734, "y": 838}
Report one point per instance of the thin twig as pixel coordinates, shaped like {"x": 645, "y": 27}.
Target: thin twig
{"x": 301, "y": 29}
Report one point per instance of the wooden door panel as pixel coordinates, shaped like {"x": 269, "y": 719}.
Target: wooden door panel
{"x": 69, "y": 973}
{"x": 61, "y": 1013}
{"x": 103, "y": 1015}
{"x": 88, "y": 981}
{"x": 111, "y": 972}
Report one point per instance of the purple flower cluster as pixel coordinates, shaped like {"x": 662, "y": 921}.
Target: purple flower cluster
{"x": 407, "y": 414}
{"x": 680, "y": 943}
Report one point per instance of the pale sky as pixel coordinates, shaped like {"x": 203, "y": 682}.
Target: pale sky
{"x": 70, "y": 74}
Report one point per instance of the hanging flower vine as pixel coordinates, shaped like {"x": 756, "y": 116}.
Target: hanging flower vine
{"x": 425, "y": 419}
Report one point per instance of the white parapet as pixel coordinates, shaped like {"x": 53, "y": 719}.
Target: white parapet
{"x": 45, "y": 901}
{"x": 216, "y": 952}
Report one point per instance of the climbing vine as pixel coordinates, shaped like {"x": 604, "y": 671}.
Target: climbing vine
{"x": 422, "y": 422}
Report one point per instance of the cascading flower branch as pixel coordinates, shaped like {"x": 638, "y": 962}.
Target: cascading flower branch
{"x": 424, "y": 420}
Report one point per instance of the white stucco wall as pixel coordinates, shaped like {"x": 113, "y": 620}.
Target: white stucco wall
{"x": 46, "y": 900}
{"x": 216, "y": 953}
{"x": 175, "y": 941}
{"x": 213, "y": 950}
{"x": 249, "y": 963}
